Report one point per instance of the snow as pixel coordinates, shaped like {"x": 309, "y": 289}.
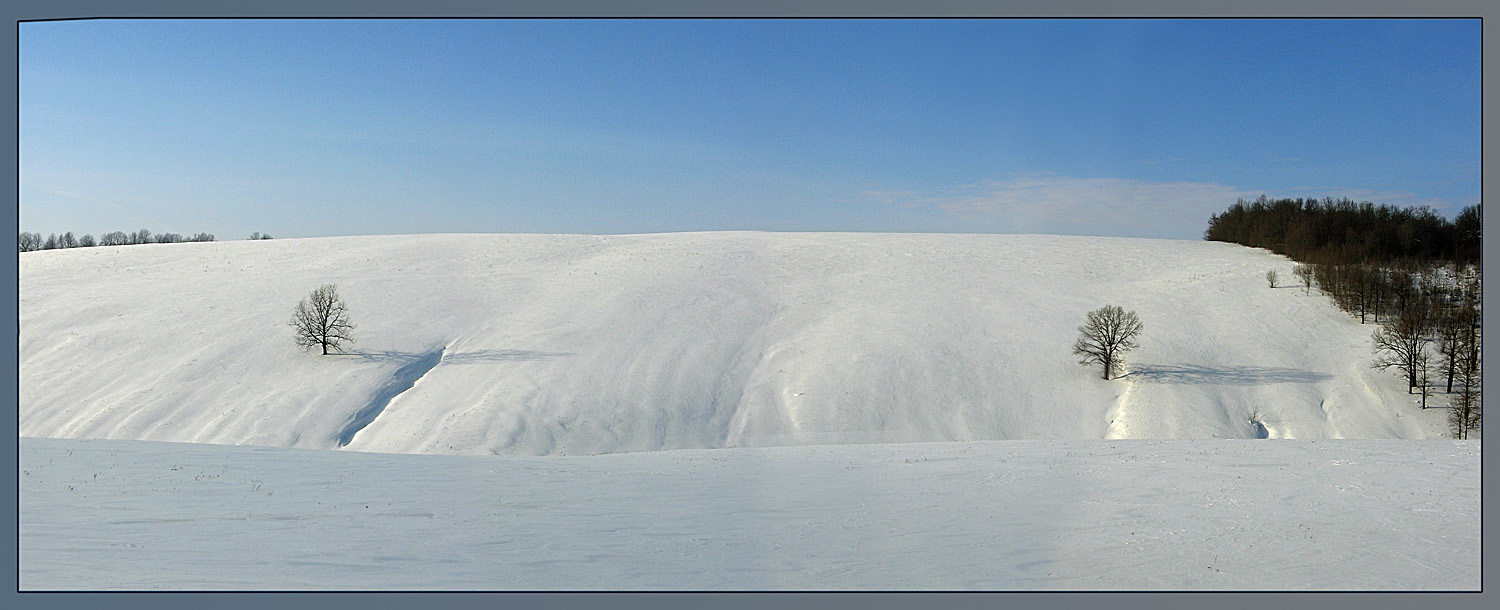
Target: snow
{"x": 568, "y": 345}
{"x": 1243, "y": 515}
{"x": 730, "y": 411}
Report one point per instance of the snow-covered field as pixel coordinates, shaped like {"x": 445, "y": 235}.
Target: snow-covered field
{"x": 718, "y": 411}
{"x": 569, "y": 345}
{"x": 1007, "y": 515}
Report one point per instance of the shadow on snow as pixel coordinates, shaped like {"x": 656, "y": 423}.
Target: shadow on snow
{"x": 474, "y": 357}
{"x": 1224, "y": 375}
{"x": 415, "y": 365}
{"x": 401, "y": 381}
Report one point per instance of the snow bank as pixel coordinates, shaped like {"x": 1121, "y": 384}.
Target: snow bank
{"x": 1009, "y": 515}
{"x": 564, "y": 345}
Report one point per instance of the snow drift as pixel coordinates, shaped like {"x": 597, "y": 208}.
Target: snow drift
{"x": 560, "y": 344}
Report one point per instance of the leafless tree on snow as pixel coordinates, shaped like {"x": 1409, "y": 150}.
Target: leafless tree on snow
{"x": 1304, "y": 273}
{"x": 1401, "y": 344}
{"x": 322, "y": 320}
{"x": 1104, "y": 339}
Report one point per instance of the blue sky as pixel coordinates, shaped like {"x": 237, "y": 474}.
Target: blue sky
{"x": 1141, "y": 128}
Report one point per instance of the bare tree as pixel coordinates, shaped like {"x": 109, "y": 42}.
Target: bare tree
{"x": 87, "y": 241}
{"x": 1271, "y": 278}
{"x": 1362, "y": 287}
{"x": 1104, "y": 339}
{"x": 322, "y": 320}
{"x": 1424, "y": 366}
{"x": 31, "y": 242}
{"x": 1452, "y": 329}
{"x": 1304, "y": 273}
{"x": 1399, "y": 343}
{"x": 1404, "y": 288}
{"x": 1466, "y": 410}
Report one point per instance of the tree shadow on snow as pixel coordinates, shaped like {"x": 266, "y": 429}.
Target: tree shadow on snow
{"x": 400, "y": 382}
{"x": 499, "y": 355}
{"x": 1224, "y": 375}
{"x": 474, "y": 357}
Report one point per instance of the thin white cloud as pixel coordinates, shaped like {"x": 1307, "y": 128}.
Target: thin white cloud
{"x": 1080, "y": 206}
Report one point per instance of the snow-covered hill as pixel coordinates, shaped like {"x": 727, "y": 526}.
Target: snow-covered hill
{"x": 551, "y": 344}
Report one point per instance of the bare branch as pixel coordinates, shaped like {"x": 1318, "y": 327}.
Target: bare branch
{"x": 1108, "y": 334}
{"x": 322, "y": 320}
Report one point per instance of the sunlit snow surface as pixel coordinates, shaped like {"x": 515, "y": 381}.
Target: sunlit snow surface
{"x": 580, "y": 345}
{"x": 1006, "y": 515}
{"x": 742, "y": 411}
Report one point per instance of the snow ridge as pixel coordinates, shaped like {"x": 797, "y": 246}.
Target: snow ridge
{"x": 403, "y": 380}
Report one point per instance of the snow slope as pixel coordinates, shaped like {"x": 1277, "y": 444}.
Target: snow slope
{"x": 1013, "y": 515}
{"x": 566, "y": 345}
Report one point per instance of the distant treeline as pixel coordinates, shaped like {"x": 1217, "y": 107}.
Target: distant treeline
{"x": 30, "y": 242}
{"x": 1342, "y": 230}
{"x": 1410, "y": 270}
{"x": 33, "y": 241}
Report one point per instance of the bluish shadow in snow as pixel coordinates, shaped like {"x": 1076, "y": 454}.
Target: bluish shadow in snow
{"x": 474, "y": 357}
{"x": 1260, "y": 430}
{"x": 499, "y": 355}
{"x": 402, "y": 381}
{"x": 1224, "y": 375}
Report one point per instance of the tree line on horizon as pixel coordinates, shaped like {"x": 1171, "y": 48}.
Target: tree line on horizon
{"x": 1308, "y": 229}
{"x": 31, "y": 242}
{"x": 1409, "y": 270}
